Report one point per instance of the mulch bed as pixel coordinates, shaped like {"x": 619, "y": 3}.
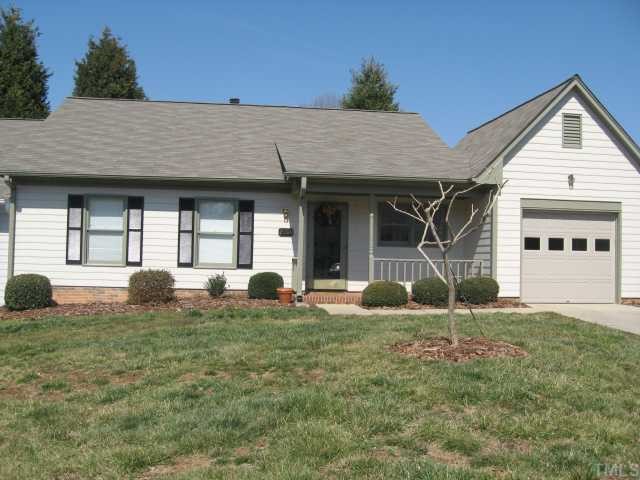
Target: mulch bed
{"x": 204, "y": 303}
{"x": 471, "y": 348}
{"x": 500, "y": 303}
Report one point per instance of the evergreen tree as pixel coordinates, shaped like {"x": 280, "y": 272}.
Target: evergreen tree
{"x": 23, "y": 78}
{"x": 370, "y": 88}
{"x": 107, "y": 71}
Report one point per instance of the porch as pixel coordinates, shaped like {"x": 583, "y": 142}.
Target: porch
{"x": 351, "y": 237}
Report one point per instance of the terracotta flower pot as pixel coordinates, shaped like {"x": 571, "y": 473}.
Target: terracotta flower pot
{"x": 285, "y": 295}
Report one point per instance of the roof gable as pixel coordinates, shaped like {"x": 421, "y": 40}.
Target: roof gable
{"x": 492, "y": 140}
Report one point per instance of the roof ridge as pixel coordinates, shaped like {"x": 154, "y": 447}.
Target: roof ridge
{"x": 235, "y": 105}
{"x": 573, "y": 77}
{"x": 23, "y": 119}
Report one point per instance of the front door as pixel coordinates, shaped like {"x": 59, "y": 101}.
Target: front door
{"x": 329, "y": 255}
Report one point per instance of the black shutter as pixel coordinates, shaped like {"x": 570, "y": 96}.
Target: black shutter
{"x": 185, "y": 232}
{"x": 245, "y": 233}
{"x": 135, "y": 221}
{"x": 74, "y": 229}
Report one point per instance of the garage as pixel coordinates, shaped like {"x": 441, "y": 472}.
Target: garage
{"x": 568, "y": 257}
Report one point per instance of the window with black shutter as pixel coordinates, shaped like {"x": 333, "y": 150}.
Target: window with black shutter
{"x": 74, "y": 229}
{"x": 135, "y": 220}
{"x": 185, "y": 232}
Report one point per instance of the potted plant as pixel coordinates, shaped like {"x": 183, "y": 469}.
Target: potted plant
{"x": 285, "y": 295}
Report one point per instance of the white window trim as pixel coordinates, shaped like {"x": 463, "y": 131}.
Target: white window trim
{"x": 86, "y": 230}
{"x": 196, "y": 235}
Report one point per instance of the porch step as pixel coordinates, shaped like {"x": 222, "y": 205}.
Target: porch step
{"x": 318, "y": 297}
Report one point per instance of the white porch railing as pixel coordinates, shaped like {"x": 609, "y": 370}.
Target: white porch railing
{"x": 409, "y": 270}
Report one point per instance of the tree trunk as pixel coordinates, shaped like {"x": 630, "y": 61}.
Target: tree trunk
{"x": 453, "y": 332}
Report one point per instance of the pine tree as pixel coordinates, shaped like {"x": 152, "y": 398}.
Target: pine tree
{"x": 23, "y": 78}
{"x": 107, "y": 70}
{"x": 370, "y": 88}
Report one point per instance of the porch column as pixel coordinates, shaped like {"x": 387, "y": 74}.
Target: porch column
{"x": 372, "y": 210}
{"x": 301, "y": 234}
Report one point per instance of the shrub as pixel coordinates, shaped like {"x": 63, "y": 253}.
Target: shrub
{"x": 216, "y": 285}
{"x": 27, "y": 291}
{"x": 478, "y": 290}
{"x": 431, "y": 291}
{"x": 151, "y": 286}
{"x": 384, "y": 294}
{"x": 264, "y": 285}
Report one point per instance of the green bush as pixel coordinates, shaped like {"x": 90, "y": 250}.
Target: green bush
{"x": 478, "y": 290}
{"x": 151, "y": 286}
{"x": 216, "y": 285}
{"x": 27, "y": 291}
{"x": 384, "y": 294}
{"x": 430, "y": 291}
{"x": 264, "y": 285}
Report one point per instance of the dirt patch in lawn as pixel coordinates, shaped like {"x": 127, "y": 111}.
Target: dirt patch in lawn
{"x": 180, "y": 465}
{"x": 471, "y": 348}
{"x": 70, "y": 310}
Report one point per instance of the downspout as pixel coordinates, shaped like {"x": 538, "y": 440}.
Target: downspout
{"x": 12, "y": 225}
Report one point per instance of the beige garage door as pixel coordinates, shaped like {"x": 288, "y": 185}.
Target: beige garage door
{"x": 568, "y": 257}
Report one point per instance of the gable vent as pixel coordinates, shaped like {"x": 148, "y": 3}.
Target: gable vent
{"x": 571, "y": 130}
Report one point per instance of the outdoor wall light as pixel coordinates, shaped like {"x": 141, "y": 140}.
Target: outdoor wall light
{"x": 285, "y": 215}
{"x": 571, "y": 180}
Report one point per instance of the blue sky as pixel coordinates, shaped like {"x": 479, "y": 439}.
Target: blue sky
{"x": 458, "y": 63}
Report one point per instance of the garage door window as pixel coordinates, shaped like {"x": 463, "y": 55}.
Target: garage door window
{"x": 556, "y": 244}
{"x": 579, "y": 244}
{"x": 532, "y": 243}
{"x": 603, "y": 245}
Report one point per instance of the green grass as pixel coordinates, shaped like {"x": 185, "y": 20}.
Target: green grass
{"x": 293, "y": 393}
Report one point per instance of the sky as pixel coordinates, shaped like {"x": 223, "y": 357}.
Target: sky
{"x": 457, "y": 63}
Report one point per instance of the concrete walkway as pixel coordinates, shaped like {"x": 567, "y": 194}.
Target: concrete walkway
{"x": 621, "y": 317}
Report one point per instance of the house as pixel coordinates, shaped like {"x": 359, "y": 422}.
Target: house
{"x": 103, "y": 188}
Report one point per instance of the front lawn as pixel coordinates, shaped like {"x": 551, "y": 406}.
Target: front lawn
{"x": 293, "y": 393}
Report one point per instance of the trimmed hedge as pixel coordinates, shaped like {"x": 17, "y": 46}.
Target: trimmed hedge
{"x": 430, "y": 291}
{"x": 478, "y": 290}
{"x": 384, "y": 294}
{"x": 264, "y": 285}
{"x": 27, "y": 291}
{"x": 151, "y": 286}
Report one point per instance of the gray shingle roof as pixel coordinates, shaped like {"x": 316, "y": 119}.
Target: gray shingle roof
{"x": 483, "y": 144}
{"x": 97, "y": 137}
{"x": 14, "y": 131}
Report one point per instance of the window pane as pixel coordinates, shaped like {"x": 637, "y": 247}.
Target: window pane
{"x": 134, "y": 247}
{"x": 532, "y": 243}
{"x": 394, "y": 233}
{"x": 73, "y": 245}
{"x": 105, "y": 213}
{"x": 244, "y": 250}
{"x": 104, "y": 247}
{"x": 602, "y": 245}
{"x": 556, "y": 244}
{"x": 75, "y": 217}
{"x": 185, "y": 247}
{"x": 579, "y": 244}
{"x": 215, "y": 250}
{"x": 216, "y": 216}
{"x": 135, "y": 219}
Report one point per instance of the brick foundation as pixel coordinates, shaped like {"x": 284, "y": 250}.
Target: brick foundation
{"x": 66, "y": 295}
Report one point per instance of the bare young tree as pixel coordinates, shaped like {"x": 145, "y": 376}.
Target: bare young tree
{"x": 326, "y": 100}
{"x": 425, "y": 212}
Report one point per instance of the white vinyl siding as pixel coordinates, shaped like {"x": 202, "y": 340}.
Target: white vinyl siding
{"x": 539, "y": 168}
{"x": 41, "y": 226}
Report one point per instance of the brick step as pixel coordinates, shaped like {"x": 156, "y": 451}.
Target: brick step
{"x": 314, "y": 298}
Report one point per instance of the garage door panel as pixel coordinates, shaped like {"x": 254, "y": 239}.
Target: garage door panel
{"x": 567, "y": 275}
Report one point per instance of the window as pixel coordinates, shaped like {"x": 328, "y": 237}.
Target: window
{"x": 216, "y": 233}
{"x": 532, "y": 243}
{"x": 579, "y": 244}
{"x": 105, "y": 230}
{"x": 571, "y": 130}
{"x": 398, "y": 229}
{"x": 603, "y": 245}
{"x": 556, "y": 244}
